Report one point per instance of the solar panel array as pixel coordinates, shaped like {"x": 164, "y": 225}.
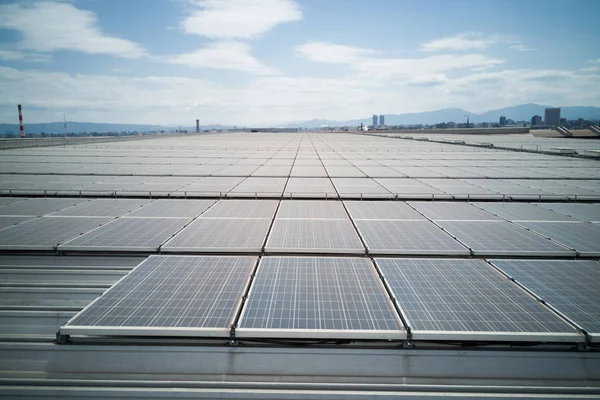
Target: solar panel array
{"x": 310, "y": 211}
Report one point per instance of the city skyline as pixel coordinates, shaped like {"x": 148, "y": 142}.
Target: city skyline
{"x": 175, "y": 61}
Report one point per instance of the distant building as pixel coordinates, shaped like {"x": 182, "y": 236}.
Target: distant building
{"x": 552, "y": 116}
{"x": 375, "y": 121}
{"x": 381, "y": 120}
{"x": 502, "y": 121}
{"x": 536, "y": 120}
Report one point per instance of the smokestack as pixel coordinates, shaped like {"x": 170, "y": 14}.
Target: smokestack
{"x": 21, "y": 127}
{"x": 197, "y": 126}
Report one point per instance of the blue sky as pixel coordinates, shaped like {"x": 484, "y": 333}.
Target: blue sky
{"x": 269, "y": 62}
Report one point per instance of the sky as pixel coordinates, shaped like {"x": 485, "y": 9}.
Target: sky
{"x": 272, "y": 62}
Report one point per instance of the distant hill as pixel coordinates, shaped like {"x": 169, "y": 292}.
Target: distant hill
{"x": 522, "y": 112}
{"x": 58, "y": 127}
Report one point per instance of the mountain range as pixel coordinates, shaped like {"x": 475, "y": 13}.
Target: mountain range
{"x": 522, "y": 112}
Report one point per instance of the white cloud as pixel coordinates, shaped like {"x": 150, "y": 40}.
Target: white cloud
{"x": 521, "y": 47}
{"x": 473, "y": 41}
{"x": 366, "y": 65}
{"x": 590, "y": 69}
{"x": 239, "y": 19}
{"x": 224, "y": 55}
{"x": 387, "y": 68}
{"x": 14, "y": 55}
{"x": 597, "y": 61}
{"x": 51, "y": 26}
{"x": 276, "y": 100}
{"x": 332, "y": 53}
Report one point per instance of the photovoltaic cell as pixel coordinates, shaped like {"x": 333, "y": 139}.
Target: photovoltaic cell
{"x": 242, "y": 209}
{"x": 493, "y": 238}
{"x": 584, "y": 212}
{"x": 393, "y": 210}
{"x": 127, "y": 234}
{"x": 103, "y": 208}
{"x": 39, "y": 206}
{"x": 46, "y": 233}
{"x": 169, "y": 296}
{"x": 452, "y": 211}
{"x": 584, "y": 237}
{"x": 173, "y": 208}
{"x": 309, "y": 297}
{"x": 469, "y": 300}
{"x": 318, "y": 236}
{"x": 311, "y": 209}
{"x": 570, "y": 287}
{"x": 220, "y": 235}
{"x": 523, "y": 212}
{"x": 7, "y": 221}
{"x": 407, "y": 237}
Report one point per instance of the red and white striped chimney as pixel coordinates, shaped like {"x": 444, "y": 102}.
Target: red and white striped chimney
{"x": 21, "y": 127}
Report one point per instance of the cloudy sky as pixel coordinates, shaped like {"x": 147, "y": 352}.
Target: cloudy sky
{"x": 269, "y": 62}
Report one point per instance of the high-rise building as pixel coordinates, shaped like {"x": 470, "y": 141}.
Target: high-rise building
{"x": 374, "y": 121}
{"x": 503, "y": 121}
{"x": 552, "y": 116}
{"x": 381, "y": 120}
{"x": 536, "y": 120}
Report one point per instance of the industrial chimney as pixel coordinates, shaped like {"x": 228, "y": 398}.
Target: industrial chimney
{"x": 197, "y": 126}
{"x": 21, "y": 127}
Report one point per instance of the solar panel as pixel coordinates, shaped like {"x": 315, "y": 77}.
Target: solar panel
{"x": 127, "y": 234}
{"x": 308, "y": 171}
{"x": 236, "y": 170}
{"x": 316, "y": 236}
{"x": 571, "y": 287}
{"x": 407, "y": 237}
{"x": 169, "y": 296}
{"x": 38, "y": 207}
{"x": 220, "y": 235}
{"x": 468, "y": 300}
{"x": 8, "y": 221}
{"x": 365, "y": 186}
{"x": 310, "y": 297}
{"x": 10, "y": 200}
{"x": 311, "y": 209}
{"x": 409, "y": 187}
{"x": 523, "y": 212}
{"x": 103, "y": 208}
{"x": 46, "y": 233}
{"x": 260, "y": 186}
{"x": 344, "y": 171}
{"x": 380, "y": 172}
{"x": 584, "y": 212}
{"x": 396, "y": 210}
{"x": 493, "y": 238}
{"x": 273, "y": 170}
{"x": 314, "y": 187}
{"x": 155, "y": 187}
{"x": 213, "y": 184}
{"x": 172, "y": 208}
{"x": 242, "y": 209}
{"x": 584, "y": 237}
{"x": 452, "y": 211}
